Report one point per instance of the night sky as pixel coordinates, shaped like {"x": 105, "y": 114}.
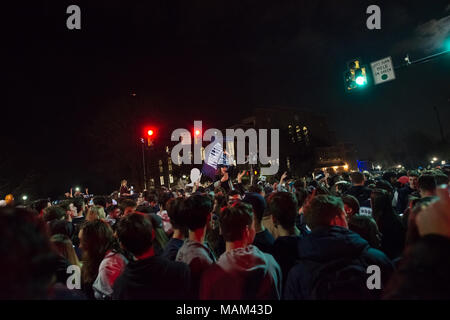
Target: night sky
{"x": 208, "y": 60}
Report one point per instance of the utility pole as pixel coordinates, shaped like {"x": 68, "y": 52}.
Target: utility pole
{"x": 143, "y": 163}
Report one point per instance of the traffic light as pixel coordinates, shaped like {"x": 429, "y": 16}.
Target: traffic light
{"x": 150, "y": 137}
{"x": 356, "y": 76}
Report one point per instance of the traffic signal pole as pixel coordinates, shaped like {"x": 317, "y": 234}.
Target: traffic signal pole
{"x": 143, "y": 165}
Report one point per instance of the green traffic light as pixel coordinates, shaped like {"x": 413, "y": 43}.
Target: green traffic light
{"x": 360, "y": 81}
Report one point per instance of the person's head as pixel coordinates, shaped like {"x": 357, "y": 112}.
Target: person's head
{"x": 390, "y": 176}
{"x": 258, "y": 204}
{"x": 367, "y": 228}
{"x": 28, "y": 262}
{"x": 358, "y": 178}
{"x": 135, "y": 233}
{"x": 64, "y": 247}
{"x": 163, "y": 198}
{"x": 325, "y": 211}
{"x": 175, "y": 213}
{"x": 95, "y": 213}
{"x": 237, "y": 224}
{"x": 60, "y": 227}
{"x": 351, "y": 205}
{"x": 99, "y": 201}
{"x": 385, "y": 185}
{"x": 381, "y": 203}
{"x": 197, "y": 211}
{"x": 96, "y": 239}
{"x": 257, "y": 188}
{"x": 283, "y": 207}
{"x": 341, "y": 187}
{"x": 69, "y": 207}
{"x": 40, "y": 205}
{"x": 413, "y": 179}
{"x": 123, "y": 183}
{"x": 427, "y": 185}
{"x": 113, "y": 212}
{"x": 79, "y": 204}
{"x": 127, "y": 206}
{"x": 151, "y": 198}
{"x": 441, "y": 178}
{"x": 233, "y": 196}
{"x": 54, "y": 213}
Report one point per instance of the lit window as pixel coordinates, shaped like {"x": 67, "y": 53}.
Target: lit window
{"x": 161, "y": 180}
{"x": 170, "y": 178}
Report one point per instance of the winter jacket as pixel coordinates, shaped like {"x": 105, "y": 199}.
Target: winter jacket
{"x": 242, "y": 274}
{"x": 325, "y": 246}
{"x": 361, "y": 193}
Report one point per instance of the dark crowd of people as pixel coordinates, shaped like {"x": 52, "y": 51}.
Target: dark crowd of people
{"x": 313, "y": 238}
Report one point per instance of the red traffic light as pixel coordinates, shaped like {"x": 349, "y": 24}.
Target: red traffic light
{"x": 150, "y": 132}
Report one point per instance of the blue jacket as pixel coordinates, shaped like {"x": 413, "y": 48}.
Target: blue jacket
{"x": 325, "y": 245}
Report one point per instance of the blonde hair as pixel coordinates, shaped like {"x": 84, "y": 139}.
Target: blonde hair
{"x": 64, "y": 247}
{"x": 95, "y": 213}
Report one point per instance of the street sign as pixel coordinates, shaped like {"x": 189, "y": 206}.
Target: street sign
{"x": 383, "y": 70}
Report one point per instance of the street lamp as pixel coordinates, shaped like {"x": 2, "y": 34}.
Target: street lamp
{"x": 24, "y": 197}
{"x": 77, "y": 189}
{"x": 435, "y": 159}
{"x": 443, "y": 162}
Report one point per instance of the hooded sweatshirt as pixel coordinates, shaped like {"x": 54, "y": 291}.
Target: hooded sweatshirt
{"x": 242, "y": 274}
{"x": 199, "y": 258}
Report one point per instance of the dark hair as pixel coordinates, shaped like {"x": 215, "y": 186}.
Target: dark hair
{"x": 127, "y": 203}
{"x": 322, "y": 209}
{"x": 177, "y": 219}
{"x": 234, "y": 219}
{"x": 413, "y": 173}
{"x": 135, "y": 233}
{"x": 163, "y": 198}
{"x": 97, "y": 239}
{"x": 78, "y": 202}
{"x": 441, "y": 178}
{"x": 352, "y": 202}
{"x": 60, "y": 227}
{"x": 99, "y": 201}
{"x": 381, "y": 204}
{"x": 258, "y": 204}
{"x": 389, "y": 175}
{"x": 385, "y": 185}
{"x": 65, "y": 204}
{"x": 301, "y": 195}
{"x": 150, "y": 196}
{"x": 357, "y": 177}
{"x": 40, "y": 205}
{"x": 28, "y": 261}
{"x": 367, "y": 228}
{"x": 54, "y": 213}
{"x": 255, "y": 188}
{"x": 283, "y": 207}
{"x": 427, "y": 182}
{"x": 196, "y": 209}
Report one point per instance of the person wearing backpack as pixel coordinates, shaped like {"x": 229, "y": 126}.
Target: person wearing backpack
{"x": 333, "y": 261}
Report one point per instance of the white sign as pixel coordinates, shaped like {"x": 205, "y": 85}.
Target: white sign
{"x": 382, "y": 70}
